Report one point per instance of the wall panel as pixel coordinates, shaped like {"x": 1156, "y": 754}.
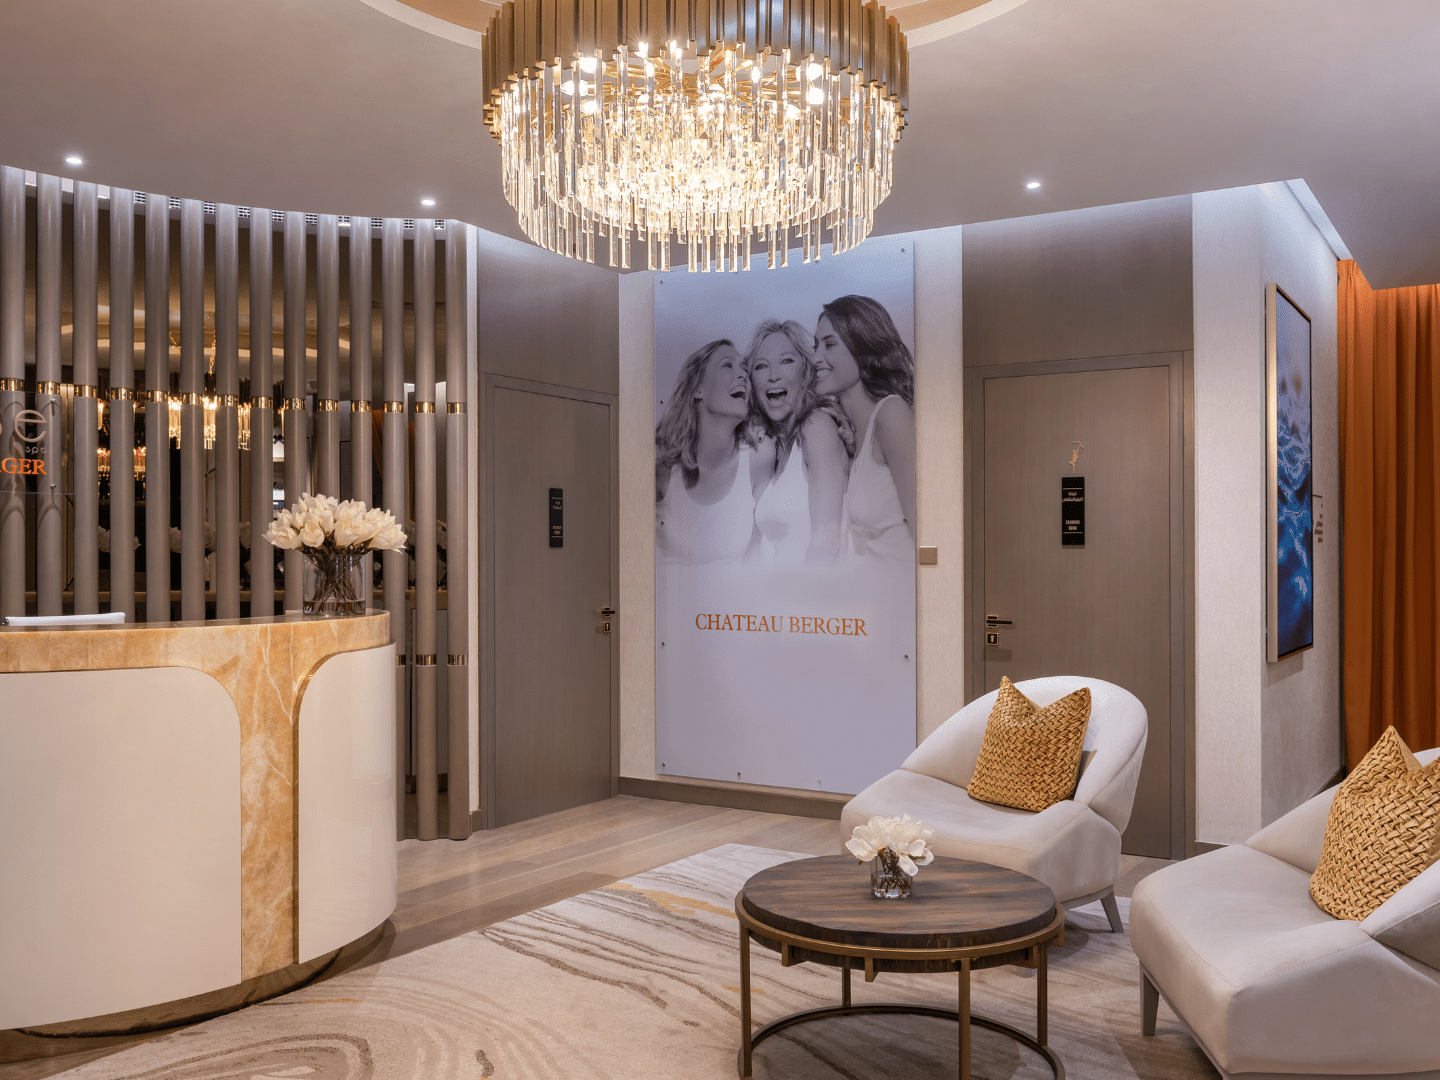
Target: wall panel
{"x": 1107, "y": 281}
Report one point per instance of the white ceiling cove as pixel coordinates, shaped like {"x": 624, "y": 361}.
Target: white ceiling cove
{"x": 342, "y": 106}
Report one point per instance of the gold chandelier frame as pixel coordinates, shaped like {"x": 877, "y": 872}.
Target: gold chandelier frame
{"x": 713, "y": 122}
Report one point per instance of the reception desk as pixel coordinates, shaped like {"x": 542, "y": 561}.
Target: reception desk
{"x": 188, "y": 810}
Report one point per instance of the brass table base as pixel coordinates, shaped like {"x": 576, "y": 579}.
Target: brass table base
{"x": 1057, "y": 1067}
{"x": 1032, "y": 949}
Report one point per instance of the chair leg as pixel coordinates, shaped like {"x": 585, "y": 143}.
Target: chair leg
{"x": 1112, "y": 912}
{"x": 1149, "y": 1004}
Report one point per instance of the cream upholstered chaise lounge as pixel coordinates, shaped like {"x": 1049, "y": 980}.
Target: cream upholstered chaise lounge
{"x": 1072, "y": 846}
{"x": 1271, "y": 985}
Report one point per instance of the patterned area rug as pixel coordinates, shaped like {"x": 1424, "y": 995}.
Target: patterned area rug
{"x": 641, "y": 980}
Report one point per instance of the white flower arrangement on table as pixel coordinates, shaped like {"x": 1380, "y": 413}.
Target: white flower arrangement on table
{"x": 894, "y": 846}
{"x": 333, "y": 536}
{"x": 320, "y": 523}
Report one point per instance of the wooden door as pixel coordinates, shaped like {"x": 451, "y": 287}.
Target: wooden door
{"x": 551, "y": 714}
{"x": 1108, "y": 607}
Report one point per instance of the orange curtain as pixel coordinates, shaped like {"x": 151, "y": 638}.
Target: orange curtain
{"x": 1389, "y": 468}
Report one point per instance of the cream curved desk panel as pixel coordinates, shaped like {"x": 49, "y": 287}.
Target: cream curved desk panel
{"x": 123, "y": 785}
{"x": 346, "y": 796}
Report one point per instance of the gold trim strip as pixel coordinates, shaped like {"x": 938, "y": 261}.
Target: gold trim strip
{"x": 229, "y": 401}
{"x": 159, "y": 397}
{"x": 359, "y": 406}
{"x": 121, "y": 393}
{"x": 295, "y": 404}
{"x": 394, "y": 406}
{"x": 262, "y": 403}
{"x": 81, "y": 390}
{"x": 327, "y": 405}
{"x": 13, "y": 386}
{"x": 424, "y": 406}
{"x": 399, "y": 659}
{"x": 192, "y": 399}
{"x": 425, "y": 659}
{"x": 455, "y": 406}
{"x": 47, "y": 388}
{"x": 457, "y": 659}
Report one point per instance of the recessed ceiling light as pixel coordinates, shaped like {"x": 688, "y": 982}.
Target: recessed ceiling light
{"x": 1032, "y": 185}
{"x": 427, "y": 202}
{"x": 74, "y": 159}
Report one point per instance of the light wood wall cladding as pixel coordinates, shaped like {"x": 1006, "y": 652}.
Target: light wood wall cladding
{"x": 102, "y": 274}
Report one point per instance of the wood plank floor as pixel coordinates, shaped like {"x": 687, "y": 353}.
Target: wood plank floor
{"x": 448, "y": 888}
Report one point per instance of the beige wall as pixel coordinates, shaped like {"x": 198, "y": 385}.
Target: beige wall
{"x": 938, "y": 416}
{"x": 1104, "y": 281}
{"x": 1267, "y": 736}
{"x": 939, "y": 460}
{"x": 546, "y": 318}
{"x": 637, "y": 525}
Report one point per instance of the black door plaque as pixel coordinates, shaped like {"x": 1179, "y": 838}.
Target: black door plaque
{"x": 557, "y": 517}
{"x": 1072, "y": 511}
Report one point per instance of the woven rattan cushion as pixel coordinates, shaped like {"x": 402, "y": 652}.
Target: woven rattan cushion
{"x": 1383, "y": 830}
{"x": 1030, "y": 757}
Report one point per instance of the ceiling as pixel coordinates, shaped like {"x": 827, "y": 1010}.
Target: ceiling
{"x": 345, "y": 106}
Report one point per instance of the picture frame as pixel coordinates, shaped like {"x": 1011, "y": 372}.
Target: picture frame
{"x": 1289, "y": 512}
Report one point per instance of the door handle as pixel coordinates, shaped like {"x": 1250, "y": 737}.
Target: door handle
{"x": 992, "y": 621}
{"x": 607, "y": 612}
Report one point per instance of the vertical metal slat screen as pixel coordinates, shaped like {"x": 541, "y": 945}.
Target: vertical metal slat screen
{"x": 427, "y": 767}
{"x": 207, "y": 383}
{"x": 157, "y": 408}
{"x": 121, "y": 297}
{"x": 12, "y": 387}
{"x": 392, "y": 437}
{"x": 49, "y": 557}
{"x": 86, "y": 379}
{"x": 227, "y": 419}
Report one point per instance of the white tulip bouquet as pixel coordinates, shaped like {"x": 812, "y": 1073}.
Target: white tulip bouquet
{"x": 896, "y": 848}
{"x": 334, "y": 537}
{"x": 322, "y": 523}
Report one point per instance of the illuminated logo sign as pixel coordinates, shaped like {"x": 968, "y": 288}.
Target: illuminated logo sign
{"x": 23, "y": 438}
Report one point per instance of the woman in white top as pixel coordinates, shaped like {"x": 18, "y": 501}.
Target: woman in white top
{"x": 862, "y": 361}
{"x": 798, "y": 510}
{"x": 705, "y": 473}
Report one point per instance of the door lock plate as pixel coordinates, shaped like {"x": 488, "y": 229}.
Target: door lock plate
{"x": 992, "y": 638}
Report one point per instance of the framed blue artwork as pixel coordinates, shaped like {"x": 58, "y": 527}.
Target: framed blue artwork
{"x": 1290, "y": 574}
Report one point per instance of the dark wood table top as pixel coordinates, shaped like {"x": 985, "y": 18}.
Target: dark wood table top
{"x": 954, "y": 904}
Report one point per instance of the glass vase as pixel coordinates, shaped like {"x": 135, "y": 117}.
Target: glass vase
{"x": 334, "y": 583}
{"x": 887, "y": 880}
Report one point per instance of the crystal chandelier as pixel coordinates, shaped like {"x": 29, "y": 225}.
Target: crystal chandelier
{"x": 719, "y": 123}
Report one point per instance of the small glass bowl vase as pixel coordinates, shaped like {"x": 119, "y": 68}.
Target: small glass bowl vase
{"x": 334, "y": 583}
{"x": 887, "y": 880}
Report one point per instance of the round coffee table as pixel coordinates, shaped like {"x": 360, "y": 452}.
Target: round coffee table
{"x": 961, "y": 916}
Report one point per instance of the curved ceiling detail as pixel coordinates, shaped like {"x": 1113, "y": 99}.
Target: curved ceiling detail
{"x": 925, "y": 21}
{"x": 460, "y": 21}
{"x": 339, "y": 106}
{"x": 922, "y": 20}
